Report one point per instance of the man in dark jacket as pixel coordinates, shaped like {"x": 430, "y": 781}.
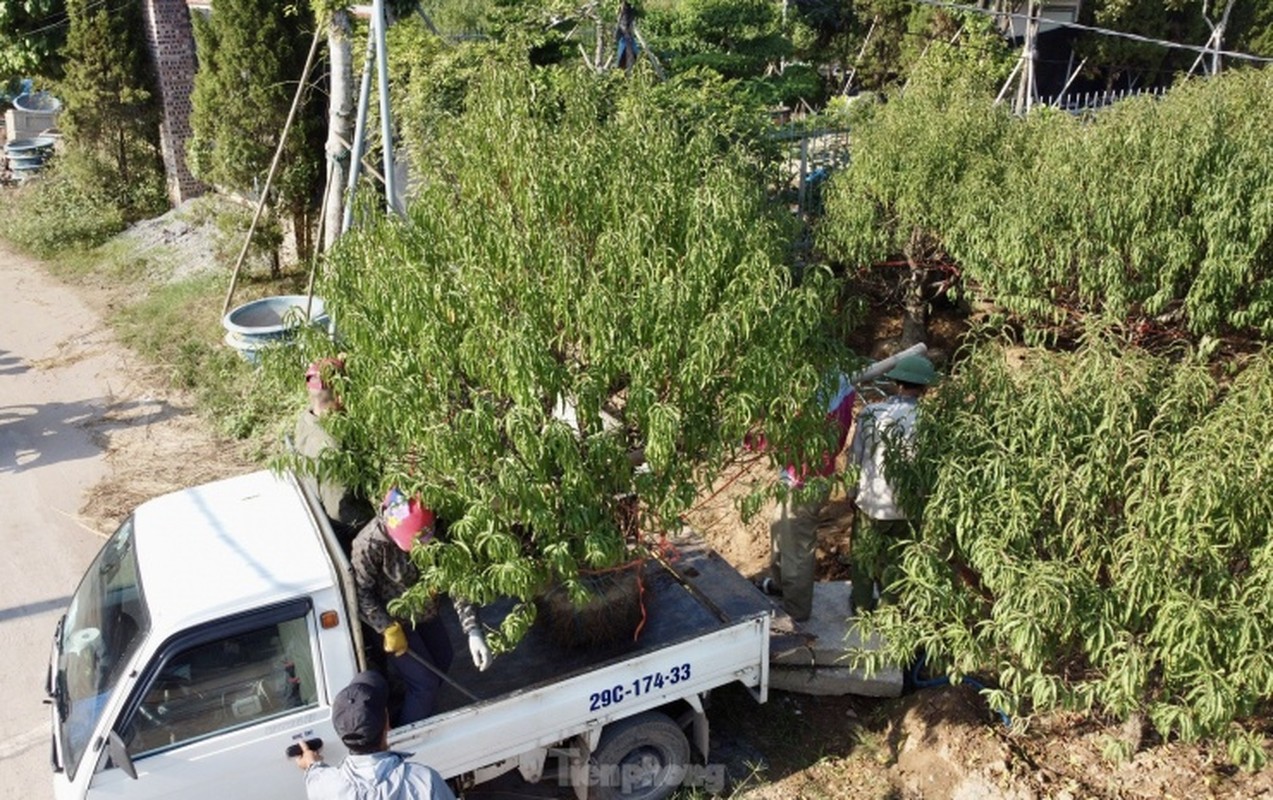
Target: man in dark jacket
{"x": 383, "y": 571}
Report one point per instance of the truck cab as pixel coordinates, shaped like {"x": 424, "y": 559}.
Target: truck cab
{"x": 209, "y": 629}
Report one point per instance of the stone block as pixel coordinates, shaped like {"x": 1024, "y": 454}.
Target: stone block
{"x": 823, "y": 681}
{"x": 20, "y": 124}
{"x": 814, "y": 657}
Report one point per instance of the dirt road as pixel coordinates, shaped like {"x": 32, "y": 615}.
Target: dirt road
{"x": 59, "y": 371}
{"x": 78, "y": 423}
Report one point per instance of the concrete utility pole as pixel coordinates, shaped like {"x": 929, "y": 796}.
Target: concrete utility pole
{"x": 380, "y": 24}
{"x": 1027, "y": 88}
{"x": 339, "y": 124}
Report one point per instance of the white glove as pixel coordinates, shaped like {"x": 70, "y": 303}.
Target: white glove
{"x": 479, "y": 650}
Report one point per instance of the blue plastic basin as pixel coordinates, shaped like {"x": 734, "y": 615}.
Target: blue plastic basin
{"x": 27, "y": 156}
{"x": 35, "y": 144}
{"x": 37, "y": 101}
{"x": 270, "y": 320}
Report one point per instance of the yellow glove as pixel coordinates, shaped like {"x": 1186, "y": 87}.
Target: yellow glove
{"x": 395, "y": 639}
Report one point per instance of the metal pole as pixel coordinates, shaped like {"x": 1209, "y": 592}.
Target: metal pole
{"x": 432, "y": 668}
{"x": 1066, "y": 87}
{"x": 882, "y": 366}
{"x": 360, "y": 132}
{"x": 386, "y": 122}
{"x": 801, "y": 190}
{"x": 316, "y": 257}
{"x": 269, "y": 177}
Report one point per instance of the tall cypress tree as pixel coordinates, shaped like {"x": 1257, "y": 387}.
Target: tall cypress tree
{"x": 251, "y": 55}
{"x": 111, "y": 114}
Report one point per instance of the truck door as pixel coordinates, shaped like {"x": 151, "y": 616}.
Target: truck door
{"x": 216, "y": 708}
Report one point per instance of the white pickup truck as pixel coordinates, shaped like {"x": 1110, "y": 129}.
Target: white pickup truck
{"x": 217, "y": 624}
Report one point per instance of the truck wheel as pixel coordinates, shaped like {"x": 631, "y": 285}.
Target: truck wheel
{"x": 644, "y": 757}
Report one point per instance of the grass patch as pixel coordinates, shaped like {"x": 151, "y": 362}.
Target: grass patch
{"x": 177, "y": 326}
{"x": 57, "y": 212}
{"x": 113, "y": 264}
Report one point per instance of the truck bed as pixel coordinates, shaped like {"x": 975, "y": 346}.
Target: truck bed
{"x": 674, "y": 613}
{"x": 706, "y": 626}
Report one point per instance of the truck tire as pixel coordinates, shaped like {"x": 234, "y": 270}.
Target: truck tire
{"x": 644, "y": 757}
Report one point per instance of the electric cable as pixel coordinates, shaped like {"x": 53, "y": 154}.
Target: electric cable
{"x": 64, "y": 18}
{"x": 1136, "y": 37}
{"x": 944, "y": 680}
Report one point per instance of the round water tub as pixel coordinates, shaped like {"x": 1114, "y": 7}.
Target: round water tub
{"x": 270, "y": 320}
{"x": 27, "y": 156}
{"x": 37, "y": 101}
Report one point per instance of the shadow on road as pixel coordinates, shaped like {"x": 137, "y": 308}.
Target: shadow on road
{"x": 31, "y": 609}
{"x": 11, "y": 365}
{"x": 37, "y": 435}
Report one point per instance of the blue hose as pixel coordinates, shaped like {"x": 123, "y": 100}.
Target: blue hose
{"x": 944, "y": 680}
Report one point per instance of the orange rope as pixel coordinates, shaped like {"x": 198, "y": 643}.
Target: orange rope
{"x": 634, "y": 563}
{"x": 636, "y": 634}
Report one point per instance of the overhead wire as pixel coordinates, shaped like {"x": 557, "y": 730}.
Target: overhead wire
{"x": 1102, "y": 31}
{"x": 63, "y": 18}
{"x": 899, "y": 28}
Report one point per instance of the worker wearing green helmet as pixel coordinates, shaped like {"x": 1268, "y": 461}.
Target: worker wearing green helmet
{"x": 883, "y": 431}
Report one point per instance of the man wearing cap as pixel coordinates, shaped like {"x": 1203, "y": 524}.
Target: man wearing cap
{"x": 360, "y": 715}
{"x": 884, "y": 430}
{"x": 347, "y": 511}
{"x": 793, "y": 529}
{"x": 383, "y": 571}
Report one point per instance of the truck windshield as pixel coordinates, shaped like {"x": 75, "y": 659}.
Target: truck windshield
{"x": 104, "y": 625}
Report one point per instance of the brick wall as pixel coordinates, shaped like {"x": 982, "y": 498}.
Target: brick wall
{"x": 171, "y": 41}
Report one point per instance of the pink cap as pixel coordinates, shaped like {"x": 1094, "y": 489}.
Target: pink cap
{"x": 324, "y": 366}
{"x": 406, "y": 519}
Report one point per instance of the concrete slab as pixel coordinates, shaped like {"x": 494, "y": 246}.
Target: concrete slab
{"x": 823, "y": 681}
{"x": 812, "y": 656}
{"x": 835, "y": 631}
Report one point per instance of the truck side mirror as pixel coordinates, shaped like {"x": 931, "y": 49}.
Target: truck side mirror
{"x": 118, "y": 752}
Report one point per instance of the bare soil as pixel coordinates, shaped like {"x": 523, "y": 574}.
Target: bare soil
{"x": 930, "y": 743}
{"x": 154, "y": 441}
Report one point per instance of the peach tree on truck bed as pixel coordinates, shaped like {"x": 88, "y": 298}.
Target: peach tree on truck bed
{"x": 598, "y": 240}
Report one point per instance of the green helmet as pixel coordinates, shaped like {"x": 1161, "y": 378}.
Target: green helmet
{"x": 913, "y": 369}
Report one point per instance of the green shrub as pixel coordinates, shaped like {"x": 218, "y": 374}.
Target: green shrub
{"x": 1096, "y": 535}
{"x": 798, "y": 85}
{"x": 62, "y": 210}
{"x": 572, "y": 238}
{"x": 1154, "y": 209}
{"x": 79, "y": 202}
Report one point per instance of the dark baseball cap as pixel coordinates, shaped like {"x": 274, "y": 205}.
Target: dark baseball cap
{"x": 361, "y": 709}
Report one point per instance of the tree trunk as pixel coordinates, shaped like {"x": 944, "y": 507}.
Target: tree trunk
{"x": 914, "y": 311}
{"x": 340, "y": 124}
{"x": 302, "y": 233}
{"x": 121, "y": 149}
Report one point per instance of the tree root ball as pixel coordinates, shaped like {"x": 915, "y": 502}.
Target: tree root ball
{"x": 612, "y": 613}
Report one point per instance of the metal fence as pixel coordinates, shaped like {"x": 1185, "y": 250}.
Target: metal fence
{"x": 1078, "y": 102}
{"x": 810, "y": 155}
